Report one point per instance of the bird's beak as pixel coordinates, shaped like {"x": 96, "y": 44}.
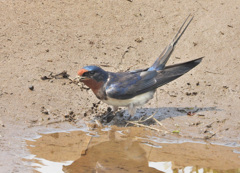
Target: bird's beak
{"x": 81, "y": 78}
{"x": 78, "y": 79}
{"x": 80, "y": 73}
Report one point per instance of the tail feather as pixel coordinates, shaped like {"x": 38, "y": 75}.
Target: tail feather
{"x": 173, "y": 72}
{"x": 161, "y": 61}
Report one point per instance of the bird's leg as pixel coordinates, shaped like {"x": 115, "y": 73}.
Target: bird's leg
{"x": 114, "y": 110}
{"x": 131, "y": 110}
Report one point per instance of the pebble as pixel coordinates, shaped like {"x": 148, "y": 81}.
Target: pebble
{"x": 31, "y": 87}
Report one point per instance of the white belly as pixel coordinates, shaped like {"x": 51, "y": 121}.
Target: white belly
{"x": 135, "y": 101}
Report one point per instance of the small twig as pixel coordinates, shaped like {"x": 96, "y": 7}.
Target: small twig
{"x": 209, "y": 137}
{"x": 210, "y": 124}
{"x": 105, "y": 65}
{"x": 141, "y": 121}
{"x": 157, "y": 122}
{"x": 152, "y": 128}
{"x": 62, "y": 75}
{"x": 161, "y": 125}
{"x": 142, "y": 125}
{"x": 213, "y": 72}
{"x": 214, "y": 133}
{"x": 54, "y": 122}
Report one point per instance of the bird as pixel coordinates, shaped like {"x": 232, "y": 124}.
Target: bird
{"x": 135, "y": 88}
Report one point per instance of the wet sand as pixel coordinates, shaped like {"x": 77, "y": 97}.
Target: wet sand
{"x": 42, "y": 39}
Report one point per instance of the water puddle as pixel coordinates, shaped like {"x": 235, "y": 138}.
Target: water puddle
{"x": 127, "y": 150}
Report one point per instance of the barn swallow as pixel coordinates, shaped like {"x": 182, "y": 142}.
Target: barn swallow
{"x": 135, "y": 88}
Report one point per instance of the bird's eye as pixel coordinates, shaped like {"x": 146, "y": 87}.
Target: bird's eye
{"x": 92, "y": 72}
{"x": 89, "y": 73}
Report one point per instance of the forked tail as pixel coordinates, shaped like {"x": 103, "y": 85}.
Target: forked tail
{"x": 161, "y": 61}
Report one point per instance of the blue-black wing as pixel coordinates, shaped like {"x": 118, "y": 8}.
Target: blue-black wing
{"x": 128, "y": 85}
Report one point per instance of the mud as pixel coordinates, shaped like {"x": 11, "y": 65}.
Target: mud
{"x": 44, "y": 43}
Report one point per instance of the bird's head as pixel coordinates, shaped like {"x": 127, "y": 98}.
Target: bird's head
{"x": 95, "y": 73}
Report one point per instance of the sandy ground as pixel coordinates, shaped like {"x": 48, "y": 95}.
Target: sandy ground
{"x": 40, "y": 39}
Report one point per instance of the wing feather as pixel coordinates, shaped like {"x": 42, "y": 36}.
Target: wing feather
{"x": 128, "y": 85}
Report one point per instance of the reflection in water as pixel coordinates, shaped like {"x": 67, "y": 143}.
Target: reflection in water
{"x": 112, "y": 156}
{"x": 127, "y": 150}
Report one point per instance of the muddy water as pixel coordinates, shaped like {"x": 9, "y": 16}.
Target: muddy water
{"x": 127, "y": 150}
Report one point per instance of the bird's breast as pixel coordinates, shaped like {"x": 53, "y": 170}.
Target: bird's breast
{"x": 96, "y": 87}
{"x": 138, "y": 100}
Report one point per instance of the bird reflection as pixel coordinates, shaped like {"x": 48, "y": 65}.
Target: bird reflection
{"x": 112, "y": 156}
